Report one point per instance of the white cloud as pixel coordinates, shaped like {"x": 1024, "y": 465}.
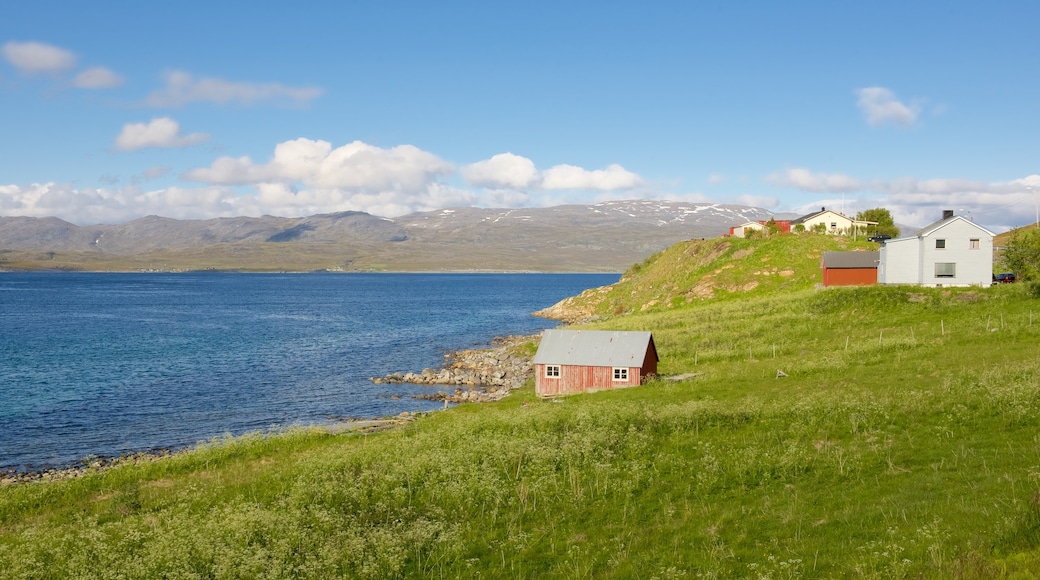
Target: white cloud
{"x": 571, "y": 177}
{"x": 504, "y": 170}
{"x": 815, "y": 182}
{"x": 716, "y": 178}
{"x": 182, "y": 88}
{"x": 880, "y": 106}
{"x": 97, "y": 77}
{"x": 356, "y": 166}
{"x": 509, "y": 171}
{"x": 161, "y": 132}
{"x": 37, "y": 57}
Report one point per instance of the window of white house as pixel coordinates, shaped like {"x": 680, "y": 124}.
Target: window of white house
{"x": 940, "y": 244}
{"x": 620, "y": 374}
{"x": 834, "y": 225}
{"x": 945, "y": 269}
{"x": 552, "y": 371}
{"x": 973, "y": 244}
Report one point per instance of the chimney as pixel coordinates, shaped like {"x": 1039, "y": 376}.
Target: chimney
{"x": 947, "y": 214}
{"x": 823, "y": 209}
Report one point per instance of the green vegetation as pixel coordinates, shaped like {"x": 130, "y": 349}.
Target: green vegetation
{"x": 904, "y": 442}
{"x": 1022, "y": 254}
{"x": 717, "y": 269}
{"x": 885, "y": 224}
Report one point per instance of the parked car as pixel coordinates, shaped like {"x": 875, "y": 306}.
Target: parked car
{"x": 1004, "y": 278}
{"x": 879, "y": 238}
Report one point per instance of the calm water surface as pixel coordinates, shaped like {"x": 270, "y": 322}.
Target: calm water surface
{"x": 104, "y": 364}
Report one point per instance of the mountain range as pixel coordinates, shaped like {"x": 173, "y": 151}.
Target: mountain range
{"x": 604, "y": 237}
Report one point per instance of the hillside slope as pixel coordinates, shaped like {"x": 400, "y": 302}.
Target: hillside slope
{"x": 706, "y": 270}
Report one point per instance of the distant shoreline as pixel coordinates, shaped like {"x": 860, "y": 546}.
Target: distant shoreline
{"x": 298, "y": 272}
{"x": 97, "y": 464}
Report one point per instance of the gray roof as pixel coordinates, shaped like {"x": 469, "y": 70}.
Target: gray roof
{"x": 809, "y": 216}
{"x": 841, "y": 260}
{"x": 930, "y": 228}
{"x": 599, "y": 348}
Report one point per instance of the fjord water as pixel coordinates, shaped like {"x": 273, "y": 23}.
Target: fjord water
{"x": 105, "y": 364}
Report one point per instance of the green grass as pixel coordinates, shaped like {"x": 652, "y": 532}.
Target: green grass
{"x": 718, "y": 269}
{"x": 904, "y": 443}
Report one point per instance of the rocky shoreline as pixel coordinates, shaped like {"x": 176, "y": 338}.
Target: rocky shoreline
{"x": 85, "y": 466}
{"x": 95, "y": 464}
{"x": 479, "y": 375}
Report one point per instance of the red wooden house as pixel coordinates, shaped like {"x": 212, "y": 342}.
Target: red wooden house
{"x": 850, "y": 268}
{"x": 582, "y": 361}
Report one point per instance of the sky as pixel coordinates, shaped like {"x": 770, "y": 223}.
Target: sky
{"x": 112, "y": 111}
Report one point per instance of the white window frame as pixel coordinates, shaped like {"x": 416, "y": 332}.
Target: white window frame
{"x": 950, "y": 266}
{"x": 552, "y": 371}
{"x": 620, "y": 373}
{"x": 974, "y": 244}
{"x": 940, "y": 243}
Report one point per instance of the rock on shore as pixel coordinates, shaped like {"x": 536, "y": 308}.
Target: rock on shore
{"x": 480, "y": 374}
{"x": 576, "y": 309}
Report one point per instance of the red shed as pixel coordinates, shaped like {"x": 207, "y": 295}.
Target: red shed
{"x": 582, "y": 361}
{"x": 850, "y": 268}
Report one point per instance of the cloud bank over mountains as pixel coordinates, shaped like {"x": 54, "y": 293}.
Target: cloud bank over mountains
{"x": 307, "y": 177}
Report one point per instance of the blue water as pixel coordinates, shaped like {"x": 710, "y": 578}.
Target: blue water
{"x": 106, "y": 364}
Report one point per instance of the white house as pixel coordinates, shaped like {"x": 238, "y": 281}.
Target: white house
{"x": 832, "y": 222}
{"x": 746, "y": 228}
{"x": 951, "y": 252}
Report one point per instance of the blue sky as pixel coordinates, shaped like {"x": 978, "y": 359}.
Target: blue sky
{"x": 111, "y": 111}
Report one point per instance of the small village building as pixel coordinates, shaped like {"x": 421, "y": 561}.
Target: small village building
{"x": 950, "y": 252}
{"x": 832, "y": 222}
{"x": 583, "y": 361}
{"x": 745, "y": 229}
{"x": 850, "y": 268}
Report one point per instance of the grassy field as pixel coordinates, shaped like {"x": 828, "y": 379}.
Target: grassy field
{"x": 904, "y": 442}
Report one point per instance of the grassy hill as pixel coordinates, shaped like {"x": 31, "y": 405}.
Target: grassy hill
{"x": 901, "y": 444}
{"x": 1001, "y": 240}
{"x": 716, "y": 269}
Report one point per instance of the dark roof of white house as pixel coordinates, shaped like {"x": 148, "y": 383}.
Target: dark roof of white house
{"x": 930, "y": 228}
{"x": 843, "y": 260}
{"x": 599, "y": 348}
{"x": 810, "y": 216}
